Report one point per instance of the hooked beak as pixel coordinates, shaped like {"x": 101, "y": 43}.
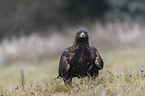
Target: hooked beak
{"x": 82, "y": 35}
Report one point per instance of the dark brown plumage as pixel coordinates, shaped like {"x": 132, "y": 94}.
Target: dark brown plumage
{"x": 80, "y": 60}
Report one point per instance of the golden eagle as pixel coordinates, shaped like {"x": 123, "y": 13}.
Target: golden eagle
{"x": 80, "y": 60}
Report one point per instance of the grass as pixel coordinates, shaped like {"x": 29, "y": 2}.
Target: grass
{"x": 123, "y": 75}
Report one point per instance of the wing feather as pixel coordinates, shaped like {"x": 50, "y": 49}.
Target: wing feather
{"x": 97, "y": 58}
{"x": 64, "y": 66}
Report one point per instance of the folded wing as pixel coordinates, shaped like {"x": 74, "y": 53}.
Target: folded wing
{"x": 98, "y": 61}
{"x": 64, "y": 66}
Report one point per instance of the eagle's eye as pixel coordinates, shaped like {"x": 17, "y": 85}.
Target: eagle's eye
{"x": 77, "y": 34}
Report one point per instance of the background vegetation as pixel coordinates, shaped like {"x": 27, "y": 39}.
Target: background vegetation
{"x": 23, "y": 17}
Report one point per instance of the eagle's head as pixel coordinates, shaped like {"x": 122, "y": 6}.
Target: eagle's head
{"x": 82, "y": 36}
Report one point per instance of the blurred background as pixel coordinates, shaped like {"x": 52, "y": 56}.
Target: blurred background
{"x": 34, "y": 30}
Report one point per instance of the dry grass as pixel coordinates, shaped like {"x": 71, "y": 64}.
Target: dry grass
{"x": 123, "y": 75}
{"x": 36, "y": 47}
{"x": 121, "y": 46}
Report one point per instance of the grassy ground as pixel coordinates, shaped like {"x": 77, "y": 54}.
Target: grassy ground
{"x": 123, "y": 75}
